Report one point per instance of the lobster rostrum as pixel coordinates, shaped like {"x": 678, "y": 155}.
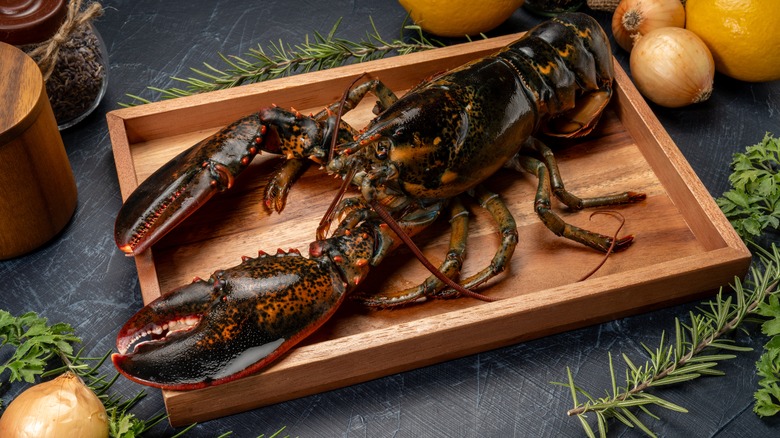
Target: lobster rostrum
{"x": 421, "y": 153}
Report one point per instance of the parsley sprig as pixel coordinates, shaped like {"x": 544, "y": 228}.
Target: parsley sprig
{"x": 752, "y": 205}
{"x": 34, "y": 343}
{"x": 768, "y": 395}
{"x": 33, "y": 346}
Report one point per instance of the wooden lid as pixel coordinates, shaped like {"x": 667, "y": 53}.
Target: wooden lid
{"x": 30, "y": 21}
{"x": 22, "y": 92}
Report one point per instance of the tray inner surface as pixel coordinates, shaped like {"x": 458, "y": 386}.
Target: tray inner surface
{"x": 682, "y": 246}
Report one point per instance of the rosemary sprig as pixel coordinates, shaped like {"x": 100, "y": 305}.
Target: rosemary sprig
{"x": 316, "y": 53}
{"x": 694, "y": 353}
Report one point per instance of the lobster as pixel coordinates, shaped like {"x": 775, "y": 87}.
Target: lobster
{"x": 417, "y": 158}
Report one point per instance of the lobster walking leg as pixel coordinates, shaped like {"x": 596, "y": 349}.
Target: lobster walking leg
{"x": 452, "y": 264}
{"x": 507, "y": 230}
{"x": 569, "y": 199}
{"x": 450, "y": 267}
{"x": 542, "y": 205}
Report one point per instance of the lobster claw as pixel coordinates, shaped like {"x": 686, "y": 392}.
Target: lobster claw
{"x": 182, "y": 185}
{"x": 233, "y": 324}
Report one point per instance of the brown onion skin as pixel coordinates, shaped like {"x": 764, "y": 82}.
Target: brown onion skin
{"x": 672, "y": 67}
{"x": 63, "y": 407}
{"x": 638, "y": 17}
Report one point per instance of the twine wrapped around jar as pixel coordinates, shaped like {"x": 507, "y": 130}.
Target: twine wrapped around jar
{"x": 603, "y": 5}
{"x": 45, "y": 54}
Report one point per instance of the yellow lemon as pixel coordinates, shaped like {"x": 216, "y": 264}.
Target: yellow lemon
{"x": 743, "y": 36}
{"x": 457, "y": 18}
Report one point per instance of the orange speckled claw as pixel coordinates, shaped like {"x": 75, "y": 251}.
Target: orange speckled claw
{"x": 232, "y": 325}
{"x": 183, "y": 184}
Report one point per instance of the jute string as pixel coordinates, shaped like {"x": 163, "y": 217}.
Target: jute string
{"x": 45, "y": 54}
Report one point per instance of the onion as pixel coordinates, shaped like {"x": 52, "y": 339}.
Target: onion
{"x": 672, "y": 67}
{"x": 63, "y": 407}
{"x": 634, "y": 18}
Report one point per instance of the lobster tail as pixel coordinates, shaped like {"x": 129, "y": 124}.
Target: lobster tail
{"x": 591, "y": 57}
{"x": 566, "y": 63}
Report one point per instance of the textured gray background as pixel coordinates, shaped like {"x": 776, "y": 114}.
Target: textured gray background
{"x": 82, "y": 279}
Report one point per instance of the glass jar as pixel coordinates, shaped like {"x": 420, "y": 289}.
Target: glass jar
{"x": 77, "y": 77}
{"x": 550, "y": 8}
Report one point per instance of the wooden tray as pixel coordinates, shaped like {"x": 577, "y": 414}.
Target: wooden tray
{"x": 684, "y": 246}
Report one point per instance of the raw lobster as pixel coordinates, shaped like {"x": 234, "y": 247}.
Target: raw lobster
{"x": 420, "y": 154}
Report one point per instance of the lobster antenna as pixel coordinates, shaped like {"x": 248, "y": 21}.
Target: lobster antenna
{"x": 342, "y": 101}
{"x": 611, "y": 248}
{"x": 385, "y": 215}
{"x": 327, "y": 218}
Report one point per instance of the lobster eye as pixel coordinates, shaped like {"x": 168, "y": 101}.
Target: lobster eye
{"x": 382, "y": 147}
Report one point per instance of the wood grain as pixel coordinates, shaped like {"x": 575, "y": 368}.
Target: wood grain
{"x": 683, "y": 248}
{"x": 38, "y": 191}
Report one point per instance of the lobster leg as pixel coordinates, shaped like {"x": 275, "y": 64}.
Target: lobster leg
{"x": 190, "y": 179}
{"x": 185, "y": 183}
{"x": 453, "y": 262}
{"x": 507, "y": 230}
{"x": 279, "y": 186}
{"x": 569, "y": 199}
{"x": 242, "y": 318}
{"x": 385, "y": 96}
{"x": 231, "y": 325}
{"x": 355, "y": 211}
{"x": 543, "y": 208}
{"x": 275, "y": 196}
{"x": 450, "y": 267}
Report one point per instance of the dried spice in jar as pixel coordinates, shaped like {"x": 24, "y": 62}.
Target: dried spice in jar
{"x": 66, "y": 46}
{"x": 550, "y": 8}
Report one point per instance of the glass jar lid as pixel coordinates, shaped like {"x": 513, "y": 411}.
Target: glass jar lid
{"x": 30, "y": 21}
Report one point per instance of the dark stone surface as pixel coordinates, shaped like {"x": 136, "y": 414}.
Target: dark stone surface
{"x": 82, "y": 279}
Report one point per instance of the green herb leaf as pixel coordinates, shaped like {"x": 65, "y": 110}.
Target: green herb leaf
{"x": 768, "y": 396}
{"x": 693, "y": 354}
{"x": 35, "y": 342}
{"x": 317, "y": 52}
{"x": 753, "y": 203}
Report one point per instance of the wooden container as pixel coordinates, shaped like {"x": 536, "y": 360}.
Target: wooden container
{"x": 37, "y": 188}
{"x": 684, "y": 247}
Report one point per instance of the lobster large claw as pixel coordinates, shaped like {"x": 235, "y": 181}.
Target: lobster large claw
{"x": 231, "y": 325}
{"x": 183, "y": 184}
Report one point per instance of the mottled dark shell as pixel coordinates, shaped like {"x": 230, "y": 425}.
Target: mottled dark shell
{"x": 455, "y": 131}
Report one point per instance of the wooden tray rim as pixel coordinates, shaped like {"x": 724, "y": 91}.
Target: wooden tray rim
{"x": 724, "y": 249}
